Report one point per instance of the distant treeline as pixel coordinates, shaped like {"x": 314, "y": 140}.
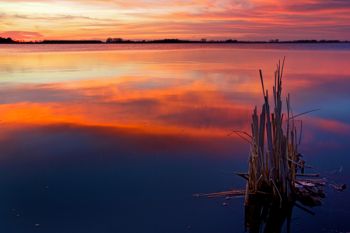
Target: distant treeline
{"x": 11, "y": 41}
{"x": 122, "y": 41}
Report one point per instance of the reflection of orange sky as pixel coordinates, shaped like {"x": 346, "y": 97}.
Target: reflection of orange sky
{"x": 113, "y": 104}
{"x": 196, "y": 92}
{"x": 332, "y": 126}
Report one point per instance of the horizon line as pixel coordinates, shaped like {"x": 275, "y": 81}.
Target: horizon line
{"x": 111, "y": 40}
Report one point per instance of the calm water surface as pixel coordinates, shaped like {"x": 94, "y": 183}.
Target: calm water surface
{"x": 117, "y": 138}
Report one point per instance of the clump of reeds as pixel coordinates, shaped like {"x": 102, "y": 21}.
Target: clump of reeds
{"x": 275, "y": 179}
{"x": 274, "y": 157}
{"x": 275, "y": 161}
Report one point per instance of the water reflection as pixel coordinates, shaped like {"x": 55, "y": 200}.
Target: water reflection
{"x": 200, "y": 107}
{"x": 120, "y": 136}
{"x": 261, "y": 215}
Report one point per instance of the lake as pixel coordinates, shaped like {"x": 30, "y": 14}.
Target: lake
{"x": 117, "y": 138}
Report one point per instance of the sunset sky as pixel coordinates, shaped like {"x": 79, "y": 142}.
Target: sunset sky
{"x": 190, "y": 19}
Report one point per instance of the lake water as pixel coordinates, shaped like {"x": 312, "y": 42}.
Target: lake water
{"x": 117, "y": 138}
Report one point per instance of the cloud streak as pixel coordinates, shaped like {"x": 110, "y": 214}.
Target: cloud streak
{"x": 21, "y": 35}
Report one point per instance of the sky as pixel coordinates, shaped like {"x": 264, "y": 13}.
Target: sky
{"x": 184, "y": 19}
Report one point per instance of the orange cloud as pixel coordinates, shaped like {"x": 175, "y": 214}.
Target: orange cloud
{"x": 22, "y": 35}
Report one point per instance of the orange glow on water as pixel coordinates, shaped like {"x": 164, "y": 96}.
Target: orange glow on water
{"x": 196, "y": 92}
{"x": 112, "y": 104}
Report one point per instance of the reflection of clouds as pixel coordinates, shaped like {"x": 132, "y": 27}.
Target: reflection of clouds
{"x": 109, "y": 141}
{"x": 188, "y": 108}
{"x": 329, "y": 92}
{"x": 324, "y": 136}
{"x": 331, "y": 126}
{"x": 209, "y": 117}
{"x": 36, "y": 94}
{"x": 191, "y": 92}
{"x": 175, "y": 106}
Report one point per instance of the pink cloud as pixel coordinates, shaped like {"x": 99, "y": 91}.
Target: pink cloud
{"x": 22, "y": 35}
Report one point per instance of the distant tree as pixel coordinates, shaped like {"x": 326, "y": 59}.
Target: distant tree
{"x": 114, "y": 40}
{"x": 6, "y": 40}
{"x": 231, "y": 41}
